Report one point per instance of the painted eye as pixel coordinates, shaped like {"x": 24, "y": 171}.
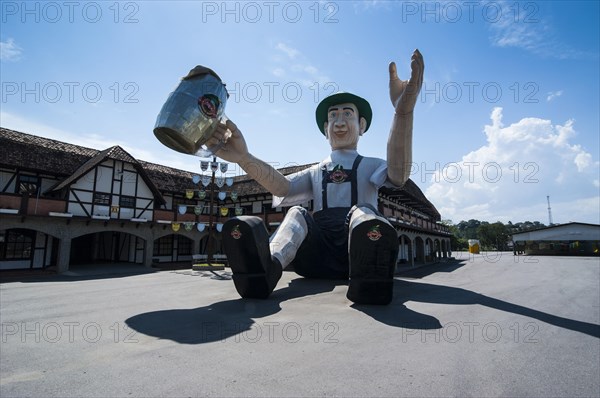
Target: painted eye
{"x": 332, "y": 115}
{"x": 347, "y": 114}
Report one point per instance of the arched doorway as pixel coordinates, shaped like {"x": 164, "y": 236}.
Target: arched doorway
{"x": 419, "y": 254}
{"x": 107, "y": 247}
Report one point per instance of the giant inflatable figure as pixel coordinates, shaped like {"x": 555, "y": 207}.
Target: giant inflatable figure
{"x": 345, "y": 237}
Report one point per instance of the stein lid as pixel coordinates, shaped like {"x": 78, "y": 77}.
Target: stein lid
{"x": 201, "y": 70}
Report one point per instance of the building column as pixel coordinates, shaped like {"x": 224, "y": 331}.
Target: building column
{"x": 148, "y": 252}
{"x": 64, "y": 255}
{"x": 412, "y": 252}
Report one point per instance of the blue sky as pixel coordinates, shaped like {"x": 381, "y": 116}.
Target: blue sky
{"x": 508, "y": 113}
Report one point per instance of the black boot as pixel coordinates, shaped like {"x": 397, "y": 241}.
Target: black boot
{"x": 373, "y": 250}
{"x": 246, "y": 244}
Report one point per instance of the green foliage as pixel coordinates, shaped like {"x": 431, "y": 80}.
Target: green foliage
{"x": 494, "y": 236}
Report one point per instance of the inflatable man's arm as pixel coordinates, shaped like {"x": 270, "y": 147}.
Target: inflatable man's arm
{"x": 235, "y": 150}
{"x": 403, "y": 94}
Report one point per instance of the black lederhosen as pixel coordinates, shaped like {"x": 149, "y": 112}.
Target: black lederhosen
{"x": 324, "y": 252}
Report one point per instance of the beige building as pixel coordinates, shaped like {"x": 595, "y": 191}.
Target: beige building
{"x": 63, "y": 204}
{"x": 570, "y": 239}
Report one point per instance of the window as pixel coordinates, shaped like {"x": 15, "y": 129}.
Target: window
{"x": 127, "y": 201}
{"x": 28, "y": 184}
{"x": 102, "y": 199}
{"x": 16, "y": 244}
{"x": 184, "y": 245}
{"x": 163, "y": 246}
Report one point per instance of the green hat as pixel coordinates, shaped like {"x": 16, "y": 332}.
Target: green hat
{"x": 364, "y": 109}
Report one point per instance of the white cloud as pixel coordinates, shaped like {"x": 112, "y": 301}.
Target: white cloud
{"x": 297, "y": 67}
{"x": 10, "y": 51}
{"x": 289, "y": 51}
{"x": 528, "y": 31}
{"x": 508, "y": 178}
{"x": 553, "y": 94}
{"x": 278, "y": 72}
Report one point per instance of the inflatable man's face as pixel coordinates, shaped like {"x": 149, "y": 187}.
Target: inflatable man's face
{"x": 344, "y": 126}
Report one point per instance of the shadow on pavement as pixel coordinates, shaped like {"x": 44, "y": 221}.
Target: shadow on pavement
{"x": 397, "y": 314}
{"x": 426, "y": 270}
{"x": 222, "y": 320}
{"x": 76, "y": 273}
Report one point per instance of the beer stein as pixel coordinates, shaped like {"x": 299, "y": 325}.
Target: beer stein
{"x": 191, "y": 114}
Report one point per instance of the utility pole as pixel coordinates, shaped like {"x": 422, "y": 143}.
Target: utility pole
{"x": 549, "y": 210}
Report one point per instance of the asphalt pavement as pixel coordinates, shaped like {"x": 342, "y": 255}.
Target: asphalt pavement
{"x": 483, "y": 325}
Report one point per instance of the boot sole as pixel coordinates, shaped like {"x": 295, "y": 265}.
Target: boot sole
{"x": 246, "y": 244}
{"x": 373, "y": 253}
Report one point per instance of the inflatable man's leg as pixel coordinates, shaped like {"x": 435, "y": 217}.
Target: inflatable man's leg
{"x": 373, "y": 249}
{"x": 246, "y": 244}
{"x": 286, "y": 241}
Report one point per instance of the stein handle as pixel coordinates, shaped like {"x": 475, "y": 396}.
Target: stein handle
{"x": 206, "y": 152}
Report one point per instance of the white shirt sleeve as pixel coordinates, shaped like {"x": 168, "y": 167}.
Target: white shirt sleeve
{"x": 379, "y": 178}
{"x": 300, "y": 190}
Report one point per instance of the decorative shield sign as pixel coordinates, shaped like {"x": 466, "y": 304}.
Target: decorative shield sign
{"x": 189, "y": 193}
{"x": 198, "y": 209}
{"x": 239, "y": 211}
{"x": 200, "y": 227}
{"x": 219, "y": 227}
{"x": 195, "y": 178}
{"x": 204, "y": 165}
{"x": 188, "y": 226}
{"x": 234, "y": 195}
{"x": 214, "y": 166}
{"x": 205, "y": 180}
{"x": 182, "y": 209}
{"x": 229, "y": 181}
{"x": 224, "y": 211}
{"x": 224, "y": 167}
{"x": 220, "y": 181}
{"x": 175, "y": 226}
{"x": 201, "y": 194}
{"x": 222, "y": 195}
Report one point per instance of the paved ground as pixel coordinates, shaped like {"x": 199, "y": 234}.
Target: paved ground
{"x": 493, "y": 325}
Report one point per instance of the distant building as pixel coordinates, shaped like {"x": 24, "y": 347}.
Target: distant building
{"x": 571, "y": 239}
{"x": 63, "y": 204}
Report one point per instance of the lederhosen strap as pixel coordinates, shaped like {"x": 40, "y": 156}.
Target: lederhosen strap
{"x": 329, "y": 177}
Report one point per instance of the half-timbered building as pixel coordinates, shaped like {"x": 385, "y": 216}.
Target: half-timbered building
{"x": 63, "y": 204}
